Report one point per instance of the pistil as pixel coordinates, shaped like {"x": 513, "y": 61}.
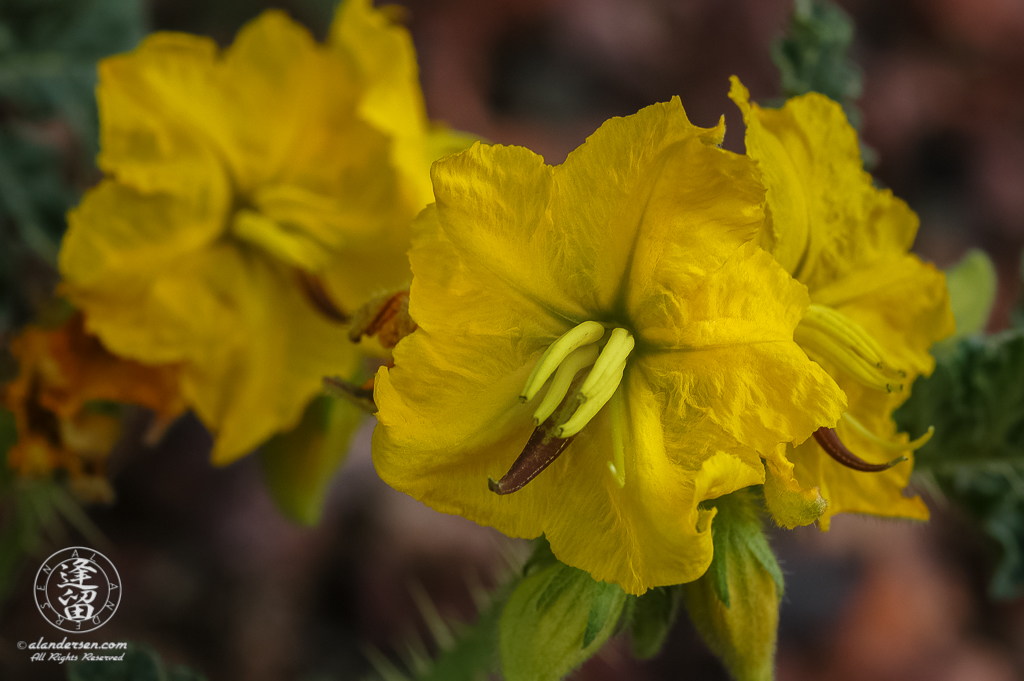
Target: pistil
{"x": 834, "y": 447}
{"x": 572, "y": 400}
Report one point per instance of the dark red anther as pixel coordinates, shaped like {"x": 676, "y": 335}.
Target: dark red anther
{"x": 540, "y": 452}
{"x": 319, "y": 298}
{"x": 834, "y": 447}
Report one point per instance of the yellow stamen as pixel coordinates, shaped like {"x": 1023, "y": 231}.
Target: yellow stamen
{"x": 821, "y": 345}
{"x": 849, "y": 332}
{"x": 615, "y": 352}
{"x": 913, "y": 445}
{"x": 618, "y": 463}
{"x": 593, "y": 404}
{"x": 567, "y": 370}
{"x": 829, "y": 335}
{"x": 584, "y": 334}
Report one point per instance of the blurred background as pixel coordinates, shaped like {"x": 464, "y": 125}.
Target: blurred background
{"x": 215, "y": 578}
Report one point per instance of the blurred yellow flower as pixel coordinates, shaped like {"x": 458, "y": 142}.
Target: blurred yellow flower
{"x": 875, "y": 308}
{"x": 246, "y": 192}
{"x": 63, "y": 372}
{"x": 634, "y": 259}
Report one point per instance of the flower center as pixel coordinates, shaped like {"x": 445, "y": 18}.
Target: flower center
{"x": 572, "y": 401}
{"x": 828, "y": 335}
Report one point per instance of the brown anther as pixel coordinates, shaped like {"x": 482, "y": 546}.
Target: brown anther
{"x": 540, "y": 452}
{"x": 386, "y": 317}
{"x": 834, "y": 447}
{"x": 313, "y": 287}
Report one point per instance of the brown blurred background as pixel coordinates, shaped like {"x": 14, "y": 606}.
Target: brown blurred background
{"x": 215, "y": 578}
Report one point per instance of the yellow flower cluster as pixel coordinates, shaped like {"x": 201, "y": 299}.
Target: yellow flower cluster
{"x": 589, "y": 351}
{"x": 655, "y": 323}
{"x": 245, "y": 191}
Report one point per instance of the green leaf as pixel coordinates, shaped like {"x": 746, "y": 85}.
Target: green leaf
{"x": 653, "y": 616}
{"x": 298, "y": 465}
{"x": 139, "y": 663}
{"x": 972, "y": 291}
{"x": 975, "y": 400}
{"x": 741, "y": 627}
{"x": 813, "y": 55}
{"x": 544, "y": 642}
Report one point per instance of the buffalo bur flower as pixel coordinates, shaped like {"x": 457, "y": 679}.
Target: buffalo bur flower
{"x": 601, "y": 347}
{"x": 875, "y": 309}
{"x": 254, "y": 198}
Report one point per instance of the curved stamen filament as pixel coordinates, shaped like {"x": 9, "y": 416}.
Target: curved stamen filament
{"x": 567, "y": 370}
{"x": 583, "y": 334}
{"x": 829, "y": 335}
{"x": 615, "y": 352}
{"x": 913, "y": 445}
{"x": 852, "y": 334}
{"x": 829, "y": 440}
{"x": 816, "y": 342}
{"x": 561, "y": 415}
{"x": 588, "y": 409}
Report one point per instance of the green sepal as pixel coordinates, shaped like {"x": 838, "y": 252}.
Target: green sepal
{"x": 735, "y": 604}
{"x": 654, "y": 613}
{"x": 298, "y": 465}
{"x": 556, "y": 619}
{"x": 972, "y": 291}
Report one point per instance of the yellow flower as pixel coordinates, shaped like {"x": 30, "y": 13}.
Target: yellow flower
{"x": 875, "y": 308}
{"x": 634, "y": 258}
{"x": 61, "y": 373}
{"x": 242, "y": 189}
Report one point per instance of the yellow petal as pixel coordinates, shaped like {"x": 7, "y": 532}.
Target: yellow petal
{"x": 265, "y": 350}
{"x": 902, "y": 303}
{"x": 385, "y": 60}
{"x": 733, "y": 359}
{"x": 788, "y": 502}
{"x": 643, "y": 182}
{"x": 118, "y": 237}
{"x": 509, "y": 190}
{"x": 152, "y": 104}
{"x": 850, "y": 491}
{"x": 254, "y": 350}
{"x": 590, "y": 521}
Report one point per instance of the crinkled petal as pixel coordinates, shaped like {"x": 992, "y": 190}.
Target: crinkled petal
{"x": 152, "y": 104}
{"x": 902, "y": 302}
{"x": 385, "y": 59}
{"x": 119, "y": 238}
{"x": 639, "y": 181}
{"x": 733, "y": 360}
{"x": 644, "y": 179}
{"x": 508, "y": 190}
{"x": 788, "y": 502}
{"x": 826, "y": 219}
{"x": 590, "y": 521}
{"x": 253, "y": 349}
